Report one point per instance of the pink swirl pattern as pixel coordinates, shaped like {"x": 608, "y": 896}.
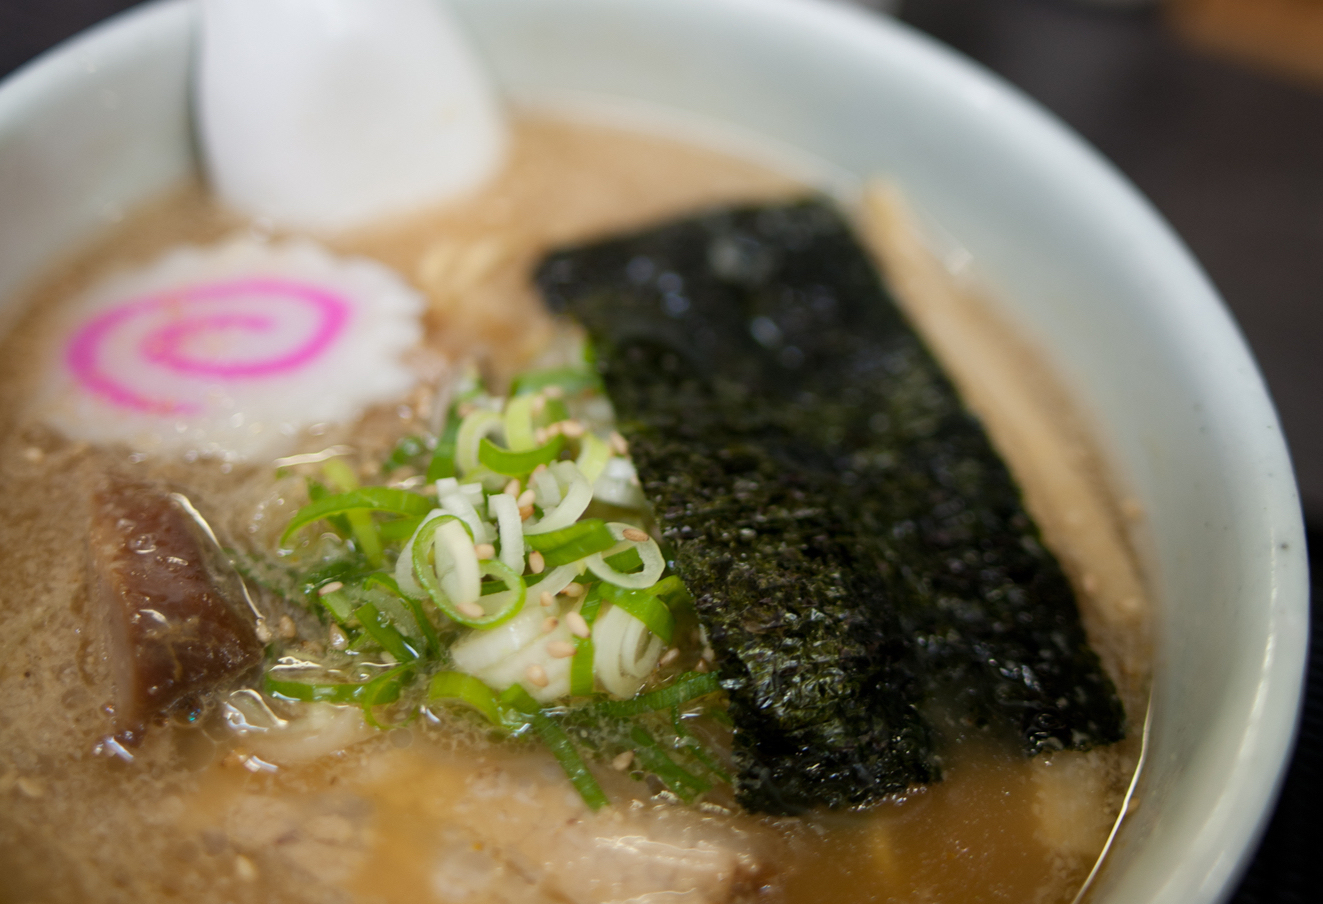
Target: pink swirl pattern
{"x": 189, "y": 315}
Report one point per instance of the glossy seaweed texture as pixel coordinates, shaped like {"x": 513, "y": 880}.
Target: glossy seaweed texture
{"x": 858, "y": 552}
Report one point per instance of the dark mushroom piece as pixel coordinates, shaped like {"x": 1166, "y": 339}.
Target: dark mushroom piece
{"x": 177, "y": 624}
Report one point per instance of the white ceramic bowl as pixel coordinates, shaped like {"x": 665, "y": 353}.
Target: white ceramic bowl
{"x": 1071, "y": 250}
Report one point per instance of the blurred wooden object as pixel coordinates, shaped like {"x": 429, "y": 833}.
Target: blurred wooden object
{"x": 1286, "y": 35}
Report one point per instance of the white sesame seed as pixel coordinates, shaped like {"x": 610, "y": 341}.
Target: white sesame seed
{"x": 527, "y": 497}
{"x": 244, "y": 868}
{"x": 484, "y": 550}
{"x": 553, "y": 391}
{"x": 555, "y": 429}
{"x": 330, "y": 588}
{"x": 578, "y": 627}
{"x": 537, "y": 675}
{"x": 574, "y": 591}
{"x": 512, "y": 488}
{"x": 621, "y": 761}
{"x": 287, "y": 628}
{"x": 633, "y": 533}
{"x": 670, "y": 656}
{"x": 560, "y": 649}
{"x": 618, "y": 444}
{"x": 472, "y": 610}
{"x": 540, "y": 435}
{"x": 338, "y": 638}
{"x": 538, "y": 405}
{"x": 546, "y": 599}
{"x": 539, "y": 469}
{"x": 549, "y": 624}
{"x": 536, "y": 562}
{"x": 572, "y": 429}
{"x": 464, "y": 409}
{"x": 525, "y": 512}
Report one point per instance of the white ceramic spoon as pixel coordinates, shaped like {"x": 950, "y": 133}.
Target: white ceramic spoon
{"x": 327, "y": 114}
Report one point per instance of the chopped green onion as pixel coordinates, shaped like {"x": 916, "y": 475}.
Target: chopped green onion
{"x": 360, "y": 522}
{"x": 643, "y": 606}
{"x": 457, "y": 687}
{"x": 570, "y": 544}
{"x": 429, "y": 632}
{"x": 518, "y": 426}
{"x": 563, "y": 750}
{"x": 593, "y": 455}
{"x": 318, "y": 492}
{"x": 331, "y": 692}
{"x": 338, "y": 603}
{"x": 653, "y": 757}
{"x": 517, "y": 464}
{"x": 427, "y": 575}
{"x": 398, "y": 530}
{"x": 671, "y": 591}
{"x": 649, "y": 553}
{"x": 554, "y": 412}
{"x": 627, "y": 562}
{"x": 397, "y": 612}
{"x": 367, "y": 499}
{"x": 581, "y": 668}
{"x": 573, "y": 380}
{"x": 689, "y": 686}
{"x": 516, "y": 698}
{"x": 385, "y": 688}
{"x": 384, "y": 633}
{"x": 475, "y": 426}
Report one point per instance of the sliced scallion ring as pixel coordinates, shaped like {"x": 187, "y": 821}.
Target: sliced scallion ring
{"x": 404, "y": 578}
{"x": 625, "y": 652}
{"x": 578, "y": 493}
{"x": 593, "y": 454}
{"x": 518, "y": 425}
{"x": 477, "y": 425}
{"x": 644, "y": 606}
{"x": 653, "y": 561}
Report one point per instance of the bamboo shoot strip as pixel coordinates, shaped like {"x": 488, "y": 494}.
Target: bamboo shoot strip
{"x": 854, "y": 545}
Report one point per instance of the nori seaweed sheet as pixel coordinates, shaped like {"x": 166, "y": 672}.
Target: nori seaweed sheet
{"x": 856, "y": 548}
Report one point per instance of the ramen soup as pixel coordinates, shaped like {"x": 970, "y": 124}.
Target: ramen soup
{"x": 270, "y": 631}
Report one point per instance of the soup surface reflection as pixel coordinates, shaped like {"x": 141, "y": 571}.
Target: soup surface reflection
{"x": 437, "y": 809}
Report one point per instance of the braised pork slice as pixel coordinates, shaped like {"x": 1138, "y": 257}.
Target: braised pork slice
{"x": 175, "y": 631}
{"x": 495, "y": 828}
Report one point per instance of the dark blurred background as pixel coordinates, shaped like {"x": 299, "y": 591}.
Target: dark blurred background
{"x": 1214, "y": 108}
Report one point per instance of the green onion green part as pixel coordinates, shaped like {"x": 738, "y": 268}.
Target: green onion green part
{"x": 366, "y": 499}
{"x": 457, "y": 687}
{"x": 517, "y": 464}
{"x": 331, "y": 692}
{"x": 689, "y": 686}
{"x": 563, "y": 750}
{"x": 384, "y": 633}
{"x": 570, "y": 544}
{"x": 645, "y": 607}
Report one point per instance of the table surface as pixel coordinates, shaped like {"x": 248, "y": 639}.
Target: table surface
{"x": 1231, "y": 156}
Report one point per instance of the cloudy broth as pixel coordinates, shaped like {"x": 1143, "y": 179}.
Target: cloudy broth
{"x": 437, "y": 810}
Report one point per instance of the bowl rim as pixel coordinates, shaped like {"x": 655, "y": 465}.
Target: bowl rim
{"x": 1219, "y": 853}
